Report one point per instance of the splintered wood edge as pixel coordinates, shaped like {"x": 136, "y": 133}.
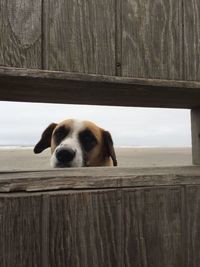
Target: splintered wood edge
{"x": 97, "y": 178}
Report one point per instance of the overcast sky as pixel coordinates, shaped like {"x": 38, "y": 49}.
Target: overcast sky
{"x": 23, "y": 123}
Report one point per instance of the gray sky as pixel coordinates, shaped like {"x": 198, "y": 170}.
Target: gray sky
{"x": 23, "y": 123}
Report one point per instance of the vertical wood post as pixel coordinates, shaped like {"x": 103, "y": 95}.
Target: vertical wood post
{"x": 195, "y": 127}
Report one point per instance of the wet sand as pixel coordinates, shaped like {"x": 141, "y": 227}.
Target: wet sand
{"x": 25, "y": 159}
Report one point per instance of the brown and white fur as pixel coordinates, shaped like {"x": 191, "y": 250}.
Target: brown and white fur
{"x": 77, "y": 143}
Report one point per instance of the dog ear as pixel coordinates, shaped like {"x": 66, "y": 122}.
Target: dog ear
{"x": 45, "y": 140}
{"x": 108, "y": 147}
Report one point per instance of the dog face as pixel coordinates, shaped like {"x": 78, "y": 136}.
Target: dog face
{"x": 77, "y": 144}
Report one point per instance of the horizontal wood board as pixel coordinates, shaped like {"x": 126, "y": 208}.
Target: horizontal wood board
{"x": 95, "y": 178}
{"x": 61, "y": 87}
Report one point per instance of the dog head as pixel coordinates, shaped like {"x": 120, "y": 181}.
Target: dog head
{"x": 77, "y": 144}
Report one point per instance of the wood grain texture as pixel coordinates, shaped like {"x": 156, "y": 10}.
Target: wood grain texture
{"x": 153, "y": 227}
{"x": 95, "y": 178}
{"x": 61, "y": 230}
{"x": 20, "y": 231}
{"x": 193, "y": 209}
{"x": 44, "y": 225}
{"x": 84, "y": 229}
{"x": 152, "y": 39}
{"x": 20, "y": 31}
{"x": 146, "y": 226}
{"x": 195, "y": 127}
{"x": 75, "y": 88}
{"x": 118, "y": 37}
{"x": 81, "y": 36}
{"x": 191, "y": 40}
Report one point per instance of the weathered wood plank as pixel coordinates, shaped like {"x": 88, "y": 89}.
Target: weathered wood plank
{"x": 61, "y": 230}
{"x": 118, "y": 37}
{"x": 191, "y": 39}
{"x": 95, "y": 178}
{"x": 20, "y": 31}
{"x": 20, "y": 231}
{"x": 152, "y": 39}
{"x": 193, "y": 214}
{"x": 153, "y": 227}
{"x": 84, "y": 229}
{"x": 195, "y": 127}
{"x": 44, "y": 225}
{"x": 62, "y": 87}
{"x": 81, "y": 36}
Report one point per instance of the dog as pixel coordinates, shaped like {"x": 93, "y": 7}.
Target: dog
{"x": 77, "y": 143}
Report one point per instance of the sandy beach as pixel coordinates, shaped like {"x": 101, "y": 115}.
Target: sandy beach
{"x": 25, "y": 159}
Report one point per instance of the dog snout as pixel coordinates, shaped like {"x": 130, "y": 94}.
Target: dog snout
{"x": 65, "y": 155}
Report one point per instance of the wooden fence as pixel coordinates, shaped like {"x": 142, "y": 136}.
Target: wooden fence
{"x": 115, "y": 52}
{"x": 98, "y": 43}
{"x": 120, "y": 217}
{"x": 142, "y": 39}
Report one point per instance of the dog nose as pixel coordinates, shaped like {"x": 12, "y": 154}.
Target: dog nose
{"x": 65, "y": 155}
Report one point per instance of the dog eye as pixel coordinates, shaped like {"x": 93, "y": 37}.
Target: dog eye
{"x": 60, "y": 134}
{"x": 87, "y": 140}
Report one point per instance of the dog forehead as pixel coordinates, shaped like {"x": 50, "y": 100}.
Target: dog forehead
{"x": 77, "y": 126}
{"x": 74, "y": 125}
